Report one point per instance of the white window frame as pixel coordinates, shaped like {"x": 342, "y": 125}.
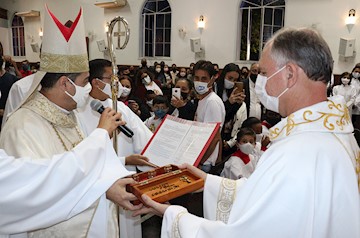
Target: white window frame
{"x": 262, "y": 8}
{"x": 165, "y": 12}
{"x": 18, "y": 49}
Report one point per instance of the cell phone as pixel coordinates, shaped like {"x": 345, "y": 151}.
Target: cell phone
{"x": 240, "y": 86}
{"x": 176, "y": 92}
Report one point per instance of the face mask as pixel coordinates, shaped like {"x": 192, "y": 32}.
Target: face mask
{"x": 182, "y": 74}
{"x": 160, "y": 113}
{"x": 107, "y": 89}
{"x": 201, "y": 87}
{"x": 191, "y": 68}
{"x": 345, "y": 81}
{"x": 246, "y": 148}
{"x": 150, "y": 103}
{"x": 184, "y": 95}
{"x": 125, "y": 92}
{"x": 228, "y": 84}
{"x": 158, "y": 70}
{"x": 146, "y": 80}
{"x": 270, "y": 102}
{"x": 259, "y": 137}
{"x": 174, "y": 70}
{"x": 356, "y": 75}
{"x": 253, "y": 77}
{"x": 81, "y": 94}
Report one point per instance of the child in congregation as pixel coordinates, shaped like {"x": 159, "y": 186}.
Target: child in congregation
{"x": 160, "y": 108}
{"x": 243, "y": 162}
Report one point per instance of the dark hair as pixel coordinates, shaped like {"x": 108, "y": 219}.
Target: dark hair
{"x": 244, "y": 67}
{"x": 245, "y": 131}
{"x": 148, "y": 92}
{"x": 161, "y": 100}
{"x": 307, "y": 49}
{"x": 356, "y": 67}
{"x": 188, "y": 81}
{"x": 249, "y": 122}
{"x": 138, "y": 76}
{"x": 1, "y": 61}
{"x": 50, "y": 79}
{"x": 97, "y": 68}
{"x": 346, "y": 74}
{"x": 206, "y": 66}
{"x": 228, "y": 68}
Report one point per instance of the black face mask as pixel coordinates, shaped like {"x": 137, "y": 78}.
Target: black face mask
{"x": 253, "y": 77}
{"x": 184, "y": 95}
{"x": 174, "y": 70}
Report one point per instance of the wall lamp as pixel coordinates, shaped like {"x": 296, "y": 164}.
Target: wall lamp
{"x": 350, "y": 20}
{"x": 201, "y": 22}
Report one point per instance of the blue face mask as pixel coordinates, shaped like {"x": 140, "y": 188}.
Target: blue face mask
{"x": 160, "y": 113}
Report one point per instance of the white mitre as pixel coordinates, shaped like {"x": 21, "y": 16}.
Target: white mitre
{"x": 63, "y": 50}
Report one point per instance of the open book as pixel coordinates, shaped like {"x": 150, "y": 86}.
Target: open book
{"x": 179, "y": 141}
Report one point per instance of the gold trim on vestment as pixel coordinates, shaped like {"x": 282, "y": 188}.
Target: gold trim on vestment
{"x": 55, "y": 63}
{"x": 341, "y": 115}
{"x": 225, "y": 200}
{"x": 175, "y": 227}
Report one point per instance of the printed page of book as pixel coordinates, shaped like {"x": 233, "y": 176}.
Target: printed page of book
{"x": 178, "y": 141}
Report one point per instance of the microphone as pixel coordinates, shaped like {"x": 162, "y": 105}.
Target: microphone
{"x": 97, "y": 106}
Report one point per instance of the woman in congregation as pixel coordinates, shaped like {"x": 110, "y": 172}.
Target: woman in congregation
{"x": 346, "y": 90}
{"x": 183, "y": 107}
{"x": 131, "y": 101}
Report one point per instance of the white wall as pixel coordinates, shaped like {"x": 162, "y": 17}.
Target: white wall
{"x": 218, "y": 38}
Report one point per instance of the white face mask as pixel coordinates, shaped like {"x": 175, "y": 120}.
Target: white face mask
{"x": 246, "y": 148}
{"x": 158, "y": 70}
{"x": 270, "y": 102}
{"x": 147, "y": 80}
{"x": 228, "y": 84}
{"x": 345, "y": 81}
{"x": 107, "y": 89}
{"x": 81, "y": 94}
{"x": 149, "y": 103}
{"x": 356, "y": 75}
{"x": 182, "y": 74}
{"x": 201, "y": 87}
{"x": 125, "y": 92}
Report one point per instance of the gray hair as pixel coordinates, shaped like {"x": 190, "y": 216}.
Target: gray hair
{"x": 306, "y": 48}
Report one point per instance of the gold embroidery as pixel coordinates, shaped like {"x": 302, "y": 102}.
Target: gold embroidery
{"x": 64, "y": 125}
{"x": 175, "y": 227}
{"x": 342, "y": 118}
{"x": 72, "y": 144}
{"x": 225, "y": 200}
{"x": 64, "y": 63}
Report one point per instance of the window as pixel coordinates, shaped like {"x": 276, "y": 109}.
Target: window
{"x": 18, "y": 39}
{"x": 156, "y": 30}
{"x": 259, "y": 20}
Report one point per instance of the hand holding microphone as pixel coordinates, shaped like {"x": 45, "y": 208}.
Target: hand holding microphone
{"x": 115, "y": 119}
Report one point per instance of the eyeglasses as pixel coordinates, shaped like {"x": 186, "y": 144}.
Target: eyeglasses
{"x": 109, "y": 77}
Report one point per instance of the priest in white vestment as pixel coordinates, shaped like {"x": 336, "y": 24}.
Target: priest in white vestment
{"x": 100, "y": 79}
{"x": 87, "y": 171}
{"x": 306, "y": 183}
{"x": 46, "y": 125}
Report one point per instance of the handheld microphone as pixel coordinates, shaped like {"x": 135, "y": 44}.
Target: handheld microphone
{"x": 97, "y": 106}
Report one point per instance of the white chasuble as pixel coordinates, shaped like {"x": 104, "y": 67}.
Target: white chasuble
{"x": 40, "y": 129}
{"x": 304, "y": 186}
